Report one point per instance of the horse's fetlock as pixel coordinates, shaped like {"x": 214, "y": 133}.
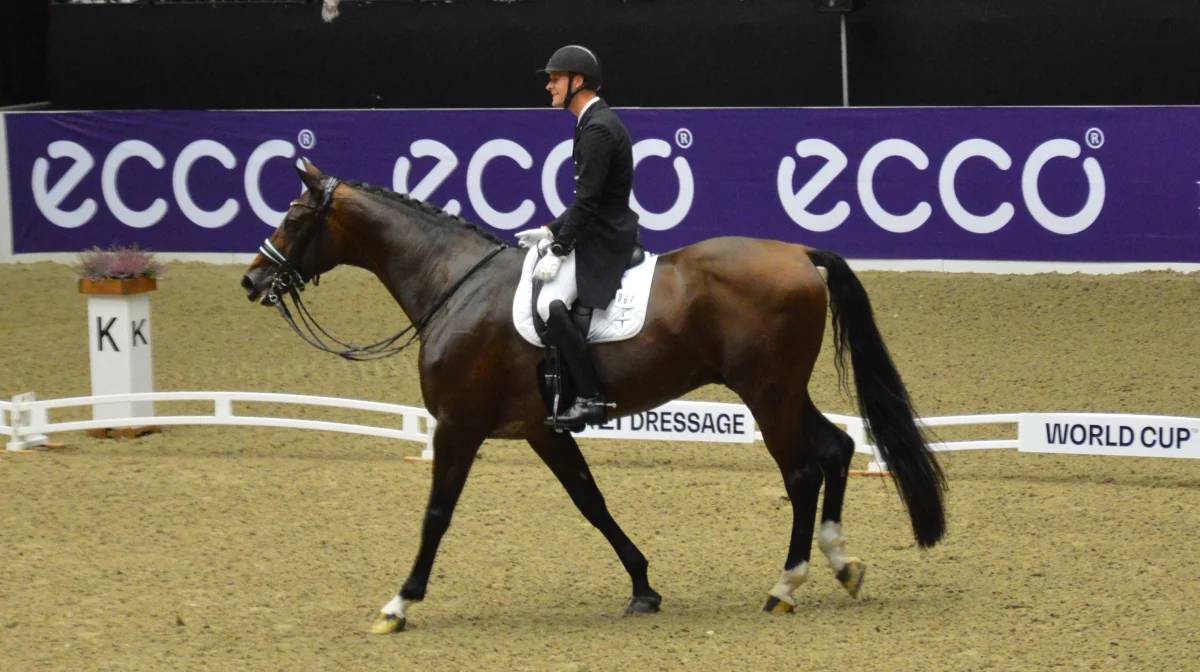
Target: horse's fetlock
{"x": 830, "y": 537}
{"x": 789, "y": 581}
{"x": 635, "y": 563}
{"x": 412, "y": 591}
{"x": 640, "y": 565}
{"x": 832, "y": 543}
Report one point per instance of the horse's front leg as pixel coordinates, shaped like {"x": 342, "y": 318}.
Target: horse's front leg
{"x": 454, "y": 450}
{"x": 562, "y": 455}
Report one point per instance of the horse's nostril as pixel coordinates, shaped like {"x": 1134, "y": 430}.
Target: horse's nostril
{"x": 247, "y": 283}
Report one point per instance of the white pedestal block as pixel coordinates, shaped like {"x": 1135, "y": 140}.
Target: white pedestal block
{"x": 121, "y": 344}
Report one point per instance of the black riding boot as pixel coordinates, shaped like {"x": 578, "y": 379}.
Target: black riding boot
{"x": 589, "y": 407}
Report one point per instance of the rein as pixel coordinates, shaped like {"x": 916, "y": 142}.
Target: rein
{"x": 288, "y": 281}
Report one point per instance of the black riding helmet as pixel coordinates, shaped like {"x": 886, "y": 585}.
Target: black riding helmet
{"x": 576, "y": 60}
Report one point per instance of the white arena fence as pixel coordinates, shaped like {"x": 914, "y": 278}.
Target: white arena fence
{"x": 27, "y": 421}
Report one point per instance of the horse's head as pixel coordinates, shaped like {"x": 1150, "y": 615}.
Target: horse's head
{"x": 301, "y": 247}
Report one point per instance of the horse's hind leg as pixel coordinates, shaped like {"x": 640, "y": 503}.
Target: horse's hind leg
{"x": 562, "y": 455}
{"x": 783, "y": 432}
{"x": 834, "y": 449}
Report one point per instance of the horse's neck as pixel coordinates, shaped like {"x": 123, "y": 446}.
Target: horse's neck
{"x": 421, "y": 259}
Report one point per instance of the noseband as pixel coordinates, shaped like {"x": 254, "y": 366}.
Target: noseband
{"x": 289, "y": 281}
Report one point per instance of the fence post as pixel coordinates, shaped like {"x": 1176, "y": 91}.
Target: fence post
{"x": 25, "y": 421}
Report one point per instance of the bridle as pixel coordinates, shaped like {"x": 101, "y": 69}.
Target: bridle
{"x": 289, "y": 281}
{"x": 287, "y": 275}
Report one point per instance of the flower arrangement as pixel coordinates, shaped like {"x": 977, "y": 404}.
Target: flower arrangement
{"x": 118, "y": 270}
{"x": 118, "y": 263}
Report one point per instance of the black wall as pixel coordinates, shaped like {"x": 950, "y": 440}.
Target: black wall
{"x": 23, "y": 25}
{"x": 465, "y": 54}
{"x": 1025, "y": 52}
{"x": 723, "y": 53}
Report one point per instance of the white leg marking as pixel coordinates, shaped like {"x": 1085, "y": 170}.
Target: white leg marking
{"x": 831, "y": 542}
{"x": 396, "y": 607}
{"x": 789, "y": 581}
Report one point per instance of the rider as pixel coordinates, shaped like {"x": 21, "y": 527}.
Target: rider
{"x": 599, "y": 226}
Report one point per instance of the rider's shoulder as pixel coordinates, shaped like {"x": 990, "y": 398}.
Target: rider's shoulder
{"x": 605, "y": 121}
{"x": 601, "y": 128}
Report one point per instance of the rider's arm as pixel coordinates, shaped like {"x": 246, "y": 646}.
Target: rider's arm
{"x": 596, "y": 149}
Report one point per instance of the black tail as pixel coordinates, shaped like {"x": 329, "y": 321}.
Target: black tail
{"x": 882, "y": 399}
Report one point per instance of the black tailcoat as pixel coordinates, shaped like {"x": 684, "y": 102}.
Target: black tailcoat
{"x": 599, "y": 225}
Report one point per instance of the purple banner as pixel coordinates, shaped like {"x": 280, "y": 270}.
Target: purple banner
{"x": 1022, "y": 184}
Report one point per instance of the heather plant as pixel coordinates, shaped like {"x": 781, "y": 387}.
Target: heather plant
{"x": 118, "y": 263}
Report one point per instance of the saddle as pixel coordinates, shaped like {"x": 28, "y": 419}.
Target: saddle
{"x": 539, "y": 325}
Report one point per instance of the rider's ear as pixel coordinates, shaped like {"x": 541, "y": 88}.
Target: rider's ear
{"x": 310, "y": 176}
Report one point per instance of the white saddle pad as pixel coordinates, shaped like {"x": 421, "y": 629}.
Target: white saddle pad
{"x": 622, "y": 319}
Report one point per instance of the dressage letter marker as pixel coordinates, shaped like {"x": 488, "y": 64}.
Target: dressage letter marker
{"x": 120, "y": 343}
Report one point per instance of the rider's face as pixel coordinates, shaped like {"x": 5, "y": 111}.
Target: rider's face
{"x": 557, "y": 86}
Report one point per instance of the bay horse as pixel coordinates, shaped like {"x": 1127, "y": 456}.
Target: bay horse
{"x": 742, "y": 312}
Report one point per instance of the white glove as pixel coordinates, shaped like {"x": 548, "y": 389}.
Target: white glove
{"x": 527, "y": 239}
{"x": 547, "y": 267}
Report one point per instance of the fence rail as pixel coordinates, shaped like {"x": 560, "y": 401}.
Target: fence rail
{"x": 27, "y": 419}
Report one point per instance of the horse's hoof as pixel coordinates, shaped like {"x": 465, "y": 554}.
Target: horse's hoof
{"x": 777, "y": 606}
{"x": 387, "y": 623}
{"x": 851, "y": 576}
{"x": 643, "y": 605}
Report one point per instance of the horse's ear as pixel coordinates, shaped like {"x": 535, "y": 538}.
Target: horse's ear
{"x": 310, "y": 175}
{"x": 308, "y": 165}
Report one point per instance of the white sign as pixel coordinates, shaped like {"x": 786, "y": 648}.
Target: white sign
{"x": 682, "y": 421}
{"x": 119, "y": 339}
{"x": 1110, "y": 434}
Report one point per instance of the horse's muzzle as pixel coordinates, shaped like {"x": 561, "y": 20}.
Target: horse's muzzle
{"x": 253, "y": 289}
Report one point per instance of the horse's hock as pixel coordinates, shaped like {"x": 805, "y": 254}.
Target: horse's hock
{"x": 260, "y": 547}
